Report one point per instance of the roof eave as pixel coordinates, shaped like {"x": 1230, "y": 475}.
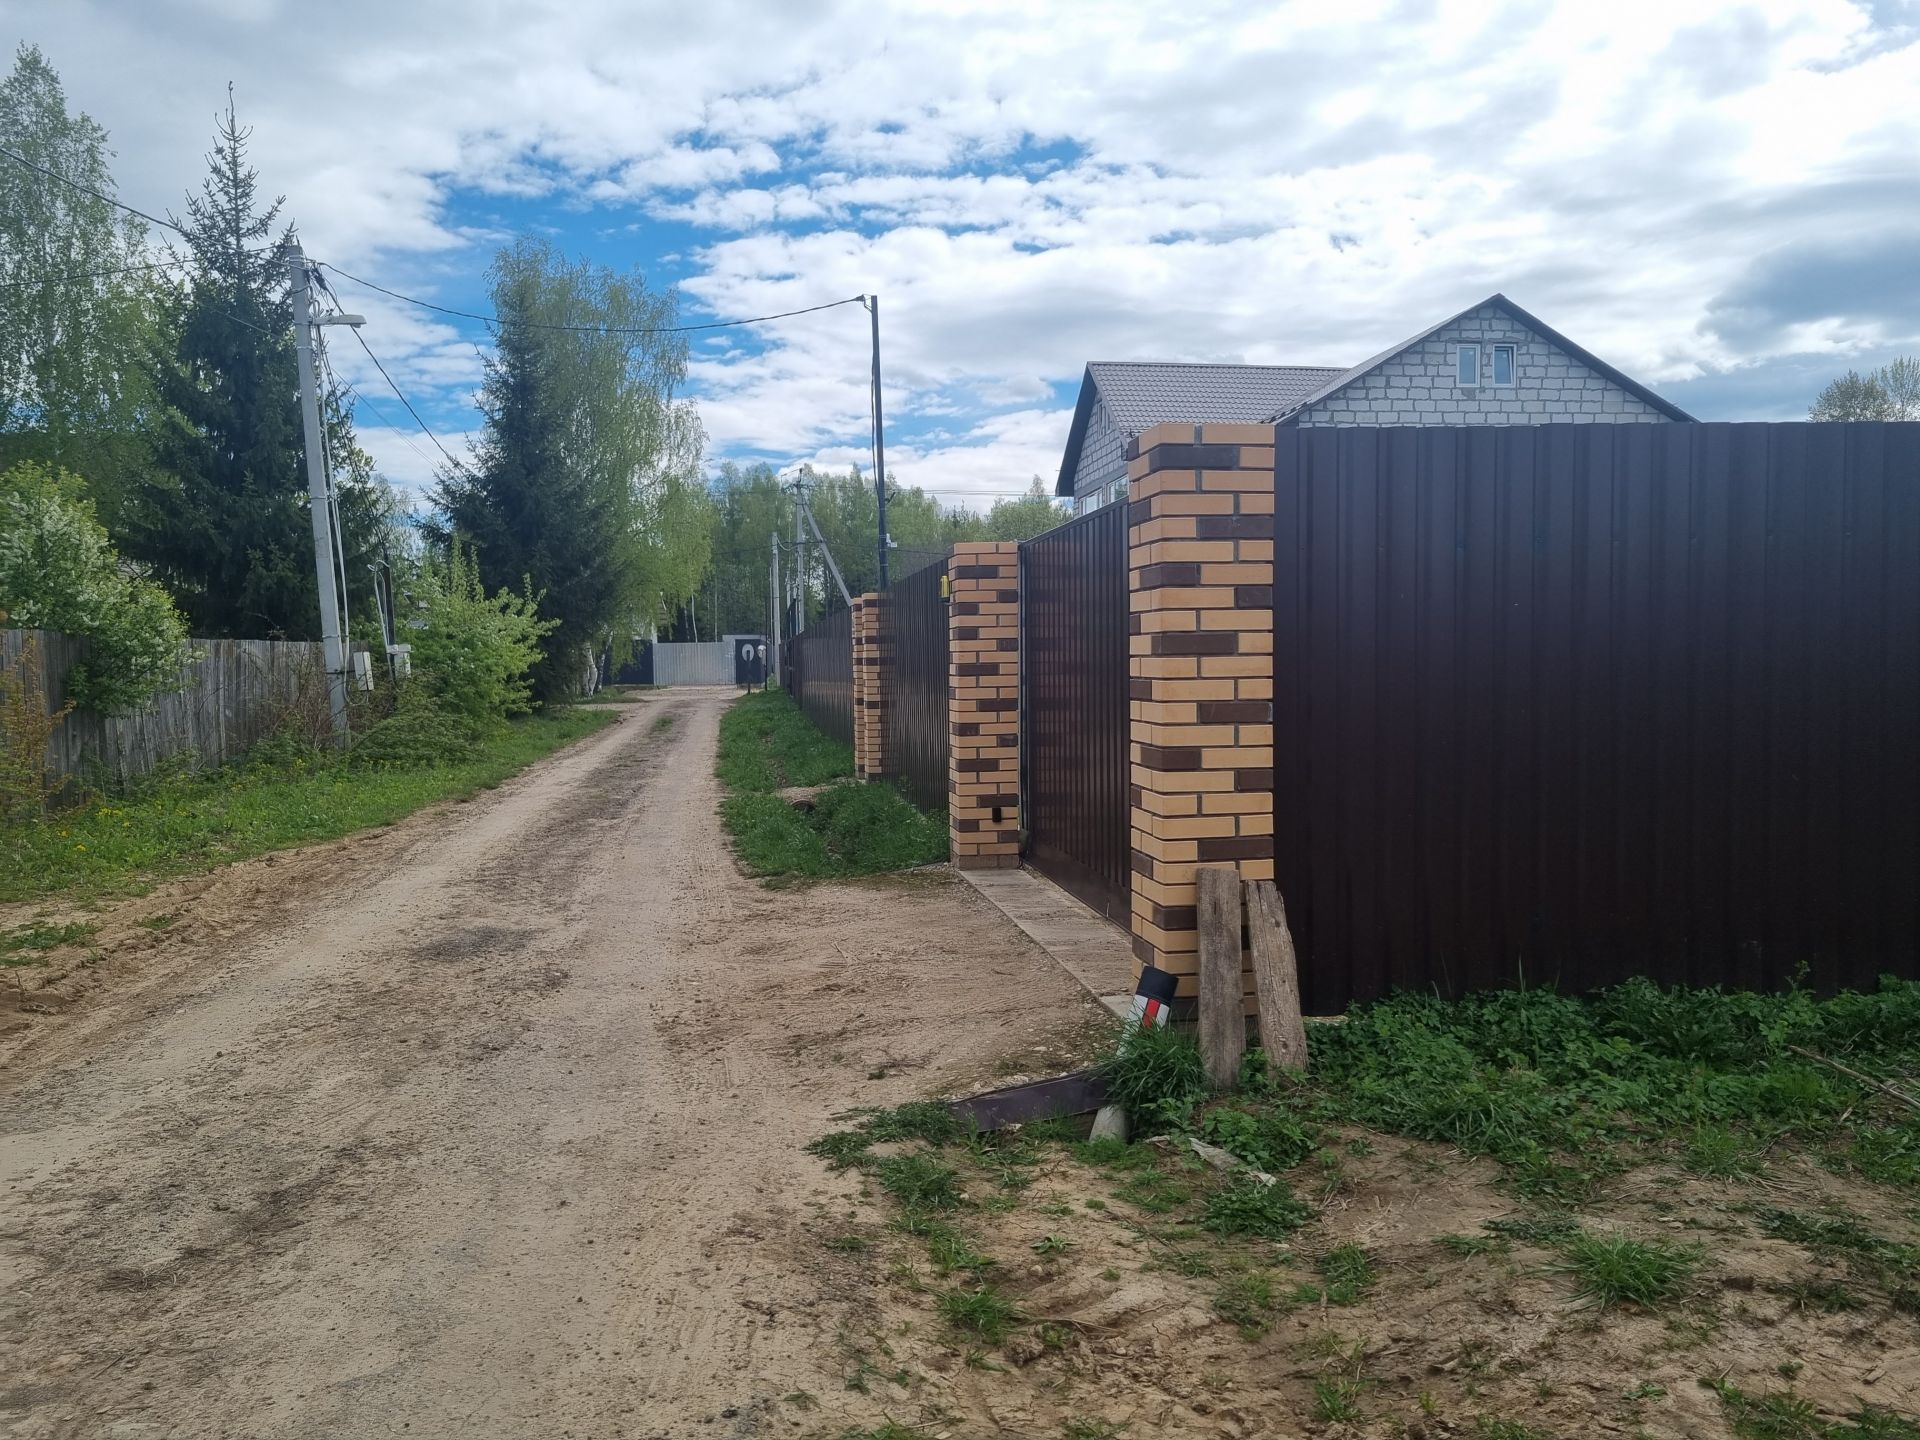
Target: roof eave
{"x": 1076, "y": 436}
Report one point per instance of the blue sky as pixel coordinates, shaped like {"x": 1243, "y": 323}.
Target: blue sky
{"x": 1721, "y": 199}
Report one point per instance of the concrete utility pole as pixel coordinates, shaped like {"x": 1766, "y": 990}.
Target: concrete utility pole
{"x": 799, "y": 569}
{"x": 879, "y": 440}
{"x": 319, "y": 501}
{"x": 775, "y": 600}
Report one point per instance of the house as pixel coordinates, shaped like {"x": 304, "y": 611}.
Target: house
{"x": 1492, "y": 364}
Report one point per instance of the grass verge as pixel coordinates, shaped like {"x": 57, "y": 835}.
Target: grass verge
{"x": 182, "y": 825}
{"x": 767, "y": 744}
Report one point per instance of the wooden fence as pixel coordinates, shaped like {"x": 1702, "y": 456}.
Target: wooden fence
{"x": 236, "y": 693}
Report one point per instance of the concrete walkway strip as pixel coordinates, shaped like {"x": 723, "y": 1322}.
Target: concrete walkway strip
{"x": 1090, "y": 949}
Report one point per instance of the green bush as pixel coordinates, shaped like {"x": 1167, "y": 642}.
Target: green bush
{"x": 475, "y": 653}
{"x": 59, "y": 571}
{"x": 419, "y": 733}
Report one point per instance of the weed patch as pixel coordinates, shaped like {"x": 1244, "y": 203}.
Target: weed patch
{"x": 983, "y": 1312}
{"x": 1155, "y": 1072}
{"x": 1787, "y": 1416}
{"x": 25, "y": 944}
{"x": 1615, "y": 1268}
{"x": 1246, "y": 1207}
{"x": 276, "y": 798}
{"x": 1348, "y": 1272}
{"x": 1246, "y": 1300}
{"x": 919, "y": 1182}
{"x": 766, "y": 742}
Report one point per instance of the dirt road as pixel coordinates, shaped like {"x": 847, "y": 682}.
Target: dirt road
{"x": 487, "y": 1125}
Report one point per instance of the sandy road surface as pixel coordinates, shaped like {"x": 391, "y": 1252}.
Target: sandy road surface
{"x": 488, "y": 1125}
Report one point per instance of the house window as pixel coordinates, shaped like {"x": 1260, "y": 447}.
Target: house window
{"x": 1466, "y": 364}
{"x": 1117, "y": 491}
{"x": 1091, "y": 501}
{"x": 1503, "y": 362}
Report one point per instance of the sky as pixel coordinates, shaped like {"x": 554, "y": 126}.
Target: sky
{"x": 1722, "y": 200}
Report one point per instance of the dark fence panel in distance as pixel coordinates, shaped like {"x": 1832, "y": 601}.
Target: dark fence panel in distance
{"x": 914, "y": 620}
{"x": 1073, "y": 706}
{"x": 823, "y": 673}
{"x": 1568, "y": 704}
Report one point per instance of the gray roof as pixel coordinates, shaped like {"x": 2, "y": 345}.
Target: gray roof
{"x": 1143, "y": 393}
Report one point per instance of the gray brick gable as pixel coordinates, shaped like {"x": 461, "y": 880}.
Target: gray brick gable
{"x": 1417, "y": 386}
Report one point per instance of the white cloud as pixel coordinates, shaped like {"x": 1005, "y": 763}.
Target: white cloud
{"x": 1031, "y": 188}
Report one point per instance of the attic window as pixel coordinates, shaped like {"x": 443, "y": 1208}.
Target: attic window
{"x": 1466, "y": 365}
{"x": 1503, "y": 363}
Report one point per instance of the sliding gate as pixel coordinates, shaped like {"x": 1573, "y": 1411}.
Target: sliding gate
{"x": 1073, "y": 704}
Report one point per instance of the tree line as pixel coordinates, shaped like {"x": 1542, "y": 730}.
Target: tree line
{"x": 752, "y": 502}
{"x": 149, "y": 404}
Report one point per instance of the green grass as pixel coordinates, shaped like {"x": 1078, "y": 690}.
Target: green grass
{"x": 1348, "y": 1272}
{"x": 1487, "y": 1427}
{"x": 1787, "y": 1416}
{"x": 1246, "y": 1207}
{"x": 1155, "y": 1072}
{"x": 183, "y": 825}
{"x": 1566, "y": 1091}
{"x": 26, "y": 944}
{"x": 663, "y": 723}
{"x": 767, "y": 744}
{"x": 1613, "y": 1268}
{"x": 1246, "y": 1300}
{"x": 919, "y": 1182}
{"x": 1336, "y": 1398}
{"x": 982, "y": 1312}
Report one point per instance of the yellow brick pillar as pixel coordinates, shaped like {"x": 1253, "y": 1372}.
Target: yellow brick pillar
{"x": 1200, "y": 573}
{"x": 870, "y": 687}
{"x": 983, "y": 775}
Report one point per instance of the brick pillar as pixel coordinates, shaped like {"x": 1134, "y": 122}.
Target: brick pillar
{"x": 983, "y": 775}
{"x": 1200, "y": 561}
{"x": 870, "y": 686}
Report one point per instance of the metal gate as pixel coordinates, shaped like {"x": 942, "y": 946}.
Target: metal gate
{"x": 1073, "y": 707}
{"x": 914, "y": 616}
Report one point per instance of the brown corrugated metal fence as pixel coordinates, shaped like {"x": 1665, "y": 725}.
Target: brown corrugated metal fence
{"x": 914, "y": 614}
{"x": 823, "y": 673}
{"x": 1572, "y": 703}
{"x": 1073, "y": 707}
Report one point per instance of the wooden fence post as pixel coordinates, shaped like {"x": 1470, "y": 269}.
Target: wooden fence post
{"x": 1223, "y": 1016}
{"x": 1276, "y": 978}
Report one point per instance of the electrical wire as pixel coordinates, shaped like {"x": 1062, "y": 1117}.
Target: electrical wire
{"x": 589, "y": 329}
{"x": 19, "y": 159}
{"x": 424, "y": 428}
{"x": 93, "y": 274}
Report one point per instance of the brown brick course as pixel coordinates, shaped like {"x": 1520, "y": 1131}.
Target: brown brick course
{"x": 1200, "y": 520}
{"x": 983, "y": 771}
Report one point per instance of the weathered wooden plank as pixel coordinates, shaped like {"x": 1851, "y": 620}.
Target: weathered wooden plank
{"x": 1223, "y": 1023}
{"x": 1276, "y": 978}
{"x": 1080, "y": 1093}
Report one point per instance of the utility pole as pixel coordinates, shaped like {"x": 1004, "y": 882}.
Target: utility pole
{"x": 879, "y": 440}
{"x": 799, "y": 568}
{"x": 775, "y": 600}
{"x": 320, "y": 502}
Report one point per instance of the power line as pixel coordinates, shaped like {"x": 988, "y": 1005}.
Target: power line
{"x": 424, "y": 428}
{"x": 89, "y": 190}
{"x": 94, "y": 274}
{"x": 590, "y": 329}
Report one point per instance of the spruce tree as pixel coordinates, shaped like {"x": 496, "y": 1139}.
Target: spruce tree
{"x": 222, "y": 519}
